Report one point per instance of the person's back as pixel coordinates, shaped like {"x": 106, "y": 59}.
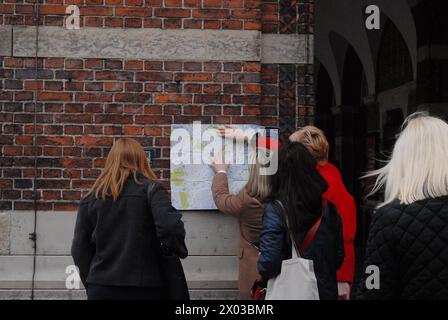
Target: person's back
{"x": 326, "y": 251}
{"x": 295, "y": 206}
{"x": 413, "y": 259}
{"x": 124, "y": 240}
{"x": 124, "y": 229}
{"x": 407, "y": 255}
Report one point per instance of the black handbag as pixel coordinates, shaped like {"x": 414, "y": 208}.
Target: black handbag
{"x": 171, "y": 269}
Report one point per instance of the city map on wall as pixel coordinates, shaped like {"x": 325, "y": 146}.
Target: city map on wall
{"x": 191, "y": 183}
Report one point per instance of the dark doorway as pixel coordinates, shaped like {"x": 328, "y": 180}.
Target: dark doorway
{"x": 324, "y": 104}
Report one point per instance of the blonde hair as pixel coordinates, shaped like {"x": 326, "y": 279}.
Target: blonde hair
{"x": 126, "y": 158}
{"x": 258, "y": 185}
{"x": 418, "y": 168}
{"x": 314, "y": 140}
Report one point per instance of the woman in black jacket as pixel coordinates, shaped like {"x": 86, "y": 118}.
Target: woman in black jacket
{"x": 407, "y": 249}
{"x": 124, "y": 226}
{"x": 297, "y": 188}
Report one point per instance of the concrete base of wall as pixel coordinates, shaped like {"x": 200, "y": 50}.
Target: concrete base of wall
{"x": 211, "y": 269}
{"x": 81, "y": 295}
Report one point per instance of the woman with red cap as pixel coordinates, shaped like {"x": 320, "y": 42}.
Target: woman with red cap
{"x": 247, "y": 206}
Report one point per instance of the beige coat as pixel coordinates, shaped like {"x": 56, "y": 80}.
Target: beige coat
{"x": 249, "y": 212}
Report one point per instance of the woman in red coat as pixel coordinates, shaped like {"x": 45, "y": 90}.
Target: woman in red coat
{"x": 315, "y": 141}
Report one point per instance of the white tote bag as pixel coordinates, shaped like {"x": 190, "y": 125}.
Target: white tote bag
{"x": 296, "y": 280}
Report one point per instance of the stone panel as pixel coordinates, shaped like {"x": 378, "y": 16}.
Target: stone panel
{"x": 157, "y": 44}
{"x": 206, "y": 233}
{"x": 287, "y": 48}
{"x": 5, "y": 40}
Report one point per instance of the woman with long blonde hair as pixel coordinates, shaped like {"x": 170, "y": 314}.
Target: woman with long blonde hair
{"x": 407, "y": 256}
{"x": 125, "y": 225}
{"x": 247, "y": 206}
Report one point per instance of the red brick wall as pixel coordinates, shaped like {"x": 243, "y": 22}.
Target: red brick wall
{"x": 166, "y": 14}
{"x": 84, "y": 104}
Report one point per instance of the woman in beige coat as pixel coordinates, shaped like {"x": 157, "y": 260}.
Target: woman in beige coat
{"x": 247, "y": 206}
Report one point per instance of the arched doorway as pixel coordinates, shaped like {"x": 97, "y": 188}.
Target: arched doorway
{"x": 324, "y": 104}
{"x": 395, "y": 85}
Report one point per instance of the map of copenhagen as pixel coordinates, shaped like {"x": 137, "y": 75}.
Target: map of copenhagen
{"x": 191, "y": 182}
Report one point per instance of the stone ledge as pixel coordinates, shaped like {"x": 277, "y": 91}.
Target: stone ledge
{"x": 212, "y": 294}
{"x": 202, "y": 272}
{"x": 148, "y": 43}
{"x": 157, "y": 44}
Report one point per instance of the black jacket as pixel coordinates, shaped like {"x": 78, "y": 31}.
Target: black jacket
{"x": 118, "y": 243}
{"x": 326, "y": 250}
{"x": 409, "y": 245}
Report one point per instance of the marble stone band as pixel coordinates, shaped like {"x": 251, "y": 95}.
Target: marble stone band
{"x": 156, "y": 44}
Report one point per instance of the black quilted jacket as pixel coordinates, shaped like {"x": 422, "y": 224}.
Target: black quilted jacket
{"x": 409, "y": 244}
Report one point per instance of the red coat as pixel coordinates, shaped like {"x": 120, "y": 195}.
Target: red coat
{"x": 345, "y": 204}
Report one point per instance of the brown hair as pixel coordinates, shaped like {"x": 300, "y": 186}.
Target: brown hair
{"x": 314, "y": 140}
{"x": 126, "y": 158}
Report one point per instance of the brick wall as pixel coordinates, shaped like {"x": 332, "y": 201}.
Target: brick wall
{"x": 289, "y": 86}
{"x": 83, "y": 104}
{"x": 166, "y": 14}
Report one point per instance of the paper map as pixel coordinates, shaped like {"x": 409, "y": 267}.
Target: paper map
{"x": 191, "y": 183}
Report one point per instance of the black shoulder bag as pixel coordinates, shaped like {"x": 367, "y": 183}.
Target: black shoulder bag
{"x": 170, "y": 266}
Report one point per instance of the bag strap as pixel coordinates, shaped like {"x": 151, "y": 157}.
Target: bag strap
{"x": 296, "y": 252}
{"x": 151, "y": 185}
{"x": 310, "y": 235}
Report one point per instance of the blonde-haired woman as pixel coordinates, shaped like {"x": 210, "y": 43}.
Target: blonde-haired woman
{"x": 407, "y": 255}
{"x": 248, "y": 207}
{"x": 125, "y": 225}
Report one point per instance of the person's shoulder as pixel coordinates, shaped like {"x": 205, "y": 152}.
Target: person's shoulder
{"x": 269, "y": 206}
{"x": 391, "y": 208}
{"x": 151, "y": 185}
{"x": 388, "y": 214}
{"x": 273, "y": 209}
{"x": 249, "y": 201}
{"x": 330, "y": 168}
{"x": 87, "y": 199}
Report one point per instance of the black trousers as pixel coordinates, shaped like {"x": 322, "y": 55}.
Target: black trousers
{"x": 101, "y": 292}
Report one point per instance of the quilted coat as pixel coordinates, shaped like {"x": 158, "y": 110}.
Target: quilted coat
{"x": 409, "y": 245}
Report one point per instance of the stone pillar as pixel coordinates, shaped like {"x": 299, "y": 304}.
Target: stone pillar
{"x": 287, "y": 80}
